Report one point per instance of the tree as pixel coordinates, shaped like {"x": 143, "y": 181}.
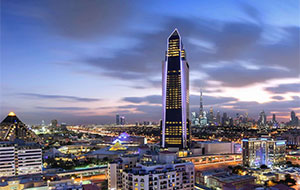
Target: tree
{"x": 263, "y": 166}
{"x": 289, "y": 180}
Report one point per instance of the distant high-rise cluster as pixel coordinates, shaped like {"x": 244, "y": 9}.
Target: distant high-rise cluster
{"x": 294, "y": 119}
{"x": 120, "y": 120}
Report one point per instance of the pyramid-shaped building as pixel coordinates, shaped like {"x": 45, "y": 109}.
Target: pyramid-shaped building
{"x": 12, "y": 128}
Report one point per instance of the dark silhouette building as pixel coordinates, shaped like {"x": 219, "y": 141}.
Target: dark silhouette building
{"x": 12, "y": 128}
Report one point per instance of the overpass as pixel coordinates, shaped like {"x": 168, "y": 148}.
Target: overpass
{"x": 83, "y": 172}
{"x": 203, "y": 162}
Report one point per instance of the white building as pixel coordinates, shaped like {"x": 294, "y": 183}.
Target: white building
{"x": 263, "y": 151}
{"x": 215, "y": 147}
{"x": 115, "y": 170}
{"x": 164, "y": 172}
{"x": 20, "y": 158}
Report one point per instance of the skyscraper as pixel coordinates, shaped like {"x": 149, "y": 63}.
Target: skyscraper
{"x": 176, "y": 124}
{"x": 122, "y": 120}
{"x": 274, "y": 118}
{"x": 195, "y": 119}
{"x": 262, "y": 121}
{"x": 201, "y": 105}
{"x": 218, "y": 118}
{"x": 211, "y": 116}
{"x": 294, "y": 119}
{"x": 224, "y": 119}
{"x": 117, "y": 119}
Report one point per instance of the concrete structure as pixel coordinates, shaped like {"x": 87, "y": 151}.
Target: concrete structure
{"x": 161, "y": 171}
{"x": 12, "y": 128}
{"x": 115, "y": 170}
{"x": 20, "y": 158}
{"x": 210, "y": 159}
{"x": 221, "y": 179}
{"x": 21, "y": 182}
{"x": 263, "y": 151}
{"x": 214, "y": 147}
{"x": 64, "y": 184}
{"x": 176, "y": 127}
{"x": 218, "y": 181}
{"x": 165, "y": 173}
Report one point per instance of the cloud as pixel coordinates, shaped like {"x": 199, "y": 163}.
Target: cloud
{"x": 255, "y": 107}
{"x": 59, "y": 97}
{"x": 238, "y": 53}
{"x": 88, "y": 19}
{"x": 145, "y": 112}
{"x": 194, "y": 99}
{"x": 153, "y": 99}
{"x": 284, "y": 88}
{"x": 62, "y": 108}
{"x": 236, "y": 75}
{"x": 210, "y": 100}
{"x": 277, "y": 97}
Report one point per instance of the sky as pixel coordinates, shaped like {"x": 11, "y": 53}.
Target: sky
{"x": 82, "y": 62}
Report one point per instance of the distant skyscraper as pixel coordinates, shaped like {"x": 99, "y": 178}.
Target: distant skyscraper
{"x": 176, "y": 124}
{"x": 218, "y": 118}
{"x": 117, "y": 119}
{"x": 195, "y": 118}
{"x": 294, "y": 119}
{"x": 274, "y": 118}
{"x": 210, "y": 117}
{"x": 293, "y": 115}
{"x": 203, "y": 120}
{"x": 201, "y": 105}
{"x": 54, "y": 123}
{"x": 122, "y": 120}
{"x": 224, "y": 118}
{"x": 262, "y": 118}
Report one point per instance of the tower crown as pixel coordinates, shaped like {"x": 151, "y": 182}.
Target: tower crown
{"x": 11, "y": 114}
{"x": 175, "y": 32}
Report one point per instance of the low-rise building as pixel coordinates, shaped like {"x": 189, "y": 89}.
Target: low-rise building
{"x": 21, "y": 182}
{"x": 263, "y": 151}
{"x": 116, "y": 168}
{"x": 221, "y": 179}
{"x": 162, "y": 171}
{"x": 20, "y": 158}
{"x": 215, "y": 147}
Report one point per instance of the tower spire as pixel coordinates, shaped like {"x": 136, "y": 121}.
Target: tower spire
{"x": 201, "y": 104}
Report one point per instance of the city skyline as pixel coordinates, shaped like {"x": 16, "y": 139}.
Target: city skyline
{"x": 87, "y": 72}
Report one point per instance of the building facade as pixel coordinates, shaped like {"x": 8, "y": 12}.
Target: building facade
{"x": 162, "y": 171}
{"x": 263, "y": 151}
{"x": 20, "y": 158}
{"x": 176, "y": 124}
{"x": 115, "y": 171}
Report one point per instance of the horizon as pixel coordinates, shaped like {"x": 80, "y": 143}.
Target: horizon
{"x": 86, "y": 66}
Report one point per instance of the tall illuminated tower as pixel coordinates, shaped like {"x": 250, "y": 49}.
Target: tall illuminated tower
{"x": 201, "y": 105}
{"x": 176, "y": 124}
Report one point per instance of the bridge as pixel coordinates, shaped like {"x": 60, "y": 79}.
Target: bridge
{"x": 204, "y": 162}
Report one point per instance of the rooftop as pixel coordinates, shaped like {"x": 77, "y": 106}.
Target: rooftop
{"x": 11, "y": 118}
